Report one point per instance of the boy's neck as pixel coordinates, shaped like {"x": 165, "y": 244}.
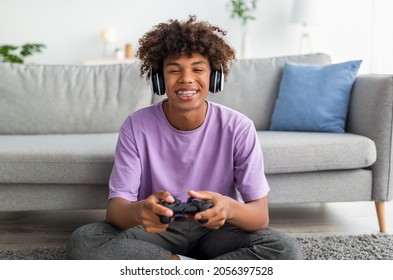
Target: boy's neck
{"x": 187, "y": 120}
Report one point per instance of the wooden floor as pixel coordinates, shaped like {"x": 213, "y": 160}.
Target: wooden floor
{"x": 329, "y": 219}
{"x": 24, "y": 229}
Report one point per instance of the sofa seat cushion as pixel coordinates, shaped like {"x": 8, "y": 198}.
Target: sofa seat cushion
{"x": 88, "y": 158}
{"x": 57, "y": 158}
{"x": 290, "y": 152}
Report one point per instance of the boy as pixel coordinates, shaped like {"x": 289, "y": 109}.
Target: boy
{"x": 185, "y": 146}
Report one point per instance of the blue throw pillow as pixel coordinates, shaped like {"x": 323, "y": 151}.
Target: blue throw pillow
{"x": 314, "y": 97}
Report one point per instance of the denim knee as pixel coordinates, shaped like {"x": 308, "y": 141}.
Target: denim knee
{"x": 83, "y": 240}
{"x": 291, "y": 249}
{"x": 275, "y": 245}
{"x": 75, "y": 243}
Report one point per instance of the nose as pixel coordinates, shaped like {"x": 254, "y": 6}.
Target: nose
{"x": 186, "y": 77}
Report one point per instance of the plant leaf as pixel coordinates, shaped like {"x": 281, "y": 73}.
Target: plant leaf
{"x": 12, "y": 58}
{"x": 29, "y": 49}
{"x": 5, "y": 49}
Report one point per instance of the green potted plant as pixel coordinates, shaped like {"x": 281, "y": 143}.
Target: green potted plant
{"x": 243, "y": 10}
{"x": 16, "y": 54}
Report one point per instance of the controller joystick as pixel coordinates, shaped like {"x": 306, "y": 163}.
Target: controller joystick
{"x": 191, "y": 207}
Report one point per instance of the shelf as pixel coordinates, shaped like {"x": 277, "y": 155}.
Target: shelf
{"x": 104, "y": 61}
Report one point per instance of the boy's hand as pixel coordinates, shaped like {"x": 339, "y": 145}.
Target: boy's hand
{"x": 218, "y": 214}
{"x": 150, "y": 211}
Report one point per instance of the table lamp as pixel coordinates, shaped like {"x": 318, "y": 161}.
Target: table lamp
{"x": 109, "y": 38}
{"x": 305, "y": 12}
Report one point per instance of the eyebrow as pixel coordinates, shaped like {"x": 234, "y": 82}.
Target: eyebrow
{"x": 193, "y": 64}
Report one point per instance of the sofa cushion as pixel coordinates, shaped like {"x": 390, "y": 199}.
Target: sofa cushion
{"x": 314, "y": 97}
{"x": 69, "y": 98}
{"x": 59, "y": 159}
{"x": 321, "y": 186}
{"x": 288, "y": 152}
{"x": 252, "y": 85}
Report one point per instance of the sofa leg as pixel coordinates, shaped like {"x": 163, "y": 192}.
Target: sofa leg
{"x": 380, "y": 206}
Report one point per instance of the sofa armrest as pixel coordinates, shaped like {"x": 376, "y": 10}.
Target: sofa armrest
{"x": 371, "y": 115}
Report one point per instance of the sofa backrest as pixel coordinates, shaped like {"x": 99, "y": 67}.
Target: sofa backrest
{"x": 253, "y": 85}
{"x": 42, "y": 99}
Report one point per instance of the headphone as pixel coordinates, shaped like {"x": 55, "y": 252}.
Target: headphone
{"x": 157, "y": 84}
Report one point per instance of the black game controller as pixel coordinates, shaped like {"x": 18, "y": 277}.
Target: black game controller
{"x": 192, "y": 206}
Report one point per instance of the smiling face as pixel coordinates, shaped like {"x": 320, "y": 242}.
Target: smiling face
{"x": 187, "y": 86}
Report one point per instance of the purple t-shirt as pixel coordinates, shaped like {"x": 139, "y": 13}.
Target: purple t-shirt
{"x": 222, "y": 155}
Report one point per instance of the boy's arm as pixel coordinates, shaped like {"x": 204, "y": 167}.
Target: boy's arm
{"x": 250, "y": 216}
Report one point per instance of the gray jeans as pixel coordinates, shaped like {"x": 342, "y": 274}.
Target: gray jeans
{"x": 183, "y": 237}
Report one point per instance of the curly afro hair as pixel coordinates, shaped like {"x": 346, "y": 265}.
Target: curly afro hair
{"x": 177, "y": 38}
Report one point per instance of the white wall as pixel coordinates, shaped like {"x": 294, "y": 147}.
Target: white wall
{"x": 348, "y": 29}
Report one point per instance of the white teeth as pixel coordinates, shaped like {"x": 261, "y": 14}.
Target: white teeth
{"x": 186, "y": 92}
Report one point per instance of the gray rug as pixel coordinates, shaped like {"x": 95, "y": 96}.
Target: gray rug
{"x": 360, "y": 247}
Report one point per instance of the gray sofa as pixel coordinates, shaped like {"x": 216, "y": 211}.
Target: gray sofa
{"x": 58, "y": 131}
